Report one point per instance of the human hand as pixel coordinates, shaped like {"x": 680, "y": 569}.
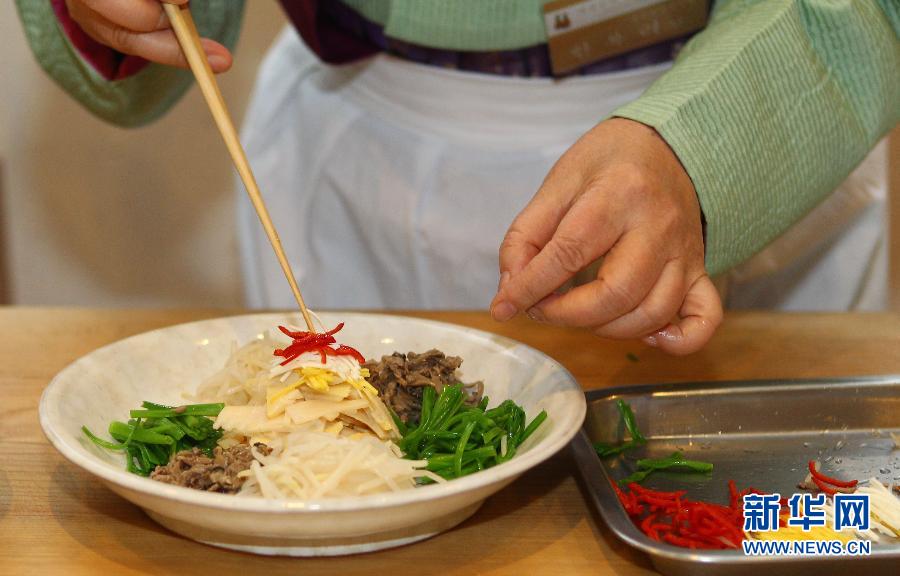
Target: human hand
{"x": 619, "y": 193}
{"x": 140, "y": 28}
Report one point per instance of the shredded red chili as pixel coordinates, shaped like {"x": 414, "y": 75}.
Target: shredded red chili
{"x": 828, "y": 479}
{"x": 687, "y": 523}
{"x": 315, "y": 342}
{"x": 824, "y": 487}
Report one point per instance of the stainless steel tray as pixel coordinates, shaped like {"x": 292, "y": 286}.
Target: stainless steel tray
{"x": 759, "y": 433}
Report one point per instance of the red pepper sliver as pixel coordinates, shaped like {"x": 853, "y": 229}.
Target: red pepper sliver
{"x": 656, "y": 493}
{"x": 665, "y": 504}
{"x": 623, "y": 498}
{"x": 733, "y": 493}
{"x": 828, "y": 479}
{"x": 348, "y": 351}
{"x": 315, "y": 342}
{"x": 646, "y": 526}
{"x": 683, "y": 522}
{"x": 824, "y": 487}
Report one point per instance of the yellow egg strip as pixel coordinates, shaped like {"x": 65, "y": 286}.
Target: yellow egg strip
{"x": 363, "y": 385}
{"x": 319, "y": 379}
{"x": 274, "y": 396}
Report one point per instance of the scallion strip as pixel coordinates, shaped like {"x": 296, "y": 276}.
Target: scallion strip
{"x": 101, "y": 442}
{"x": 461, "y": 446}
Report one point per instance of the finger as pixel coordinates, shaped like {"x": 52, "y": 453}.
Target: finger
{"x": 531, "y": 230}
{"x": 135, "y": 15}
{"x": 535, "y": 224}
{"x": 627, "y": 275}
{"x": 657, "y": 309}
{"x": 700, "y": 315}
{"x": 587, "y": 231}
{"x": 160, "y": 46}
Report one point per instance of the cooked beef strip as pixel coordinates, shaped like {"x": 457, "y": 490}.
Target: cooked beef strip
{"x": 399, "y": 379}
{"x": 194, "y": 469}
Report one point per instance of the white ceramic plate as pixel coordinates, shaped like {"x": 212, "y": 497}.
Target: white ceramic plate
{"x": 161, "y": 365}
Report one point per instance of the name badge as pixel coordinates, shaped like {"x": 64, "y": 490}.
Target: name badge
{"x": 580, "y": 32}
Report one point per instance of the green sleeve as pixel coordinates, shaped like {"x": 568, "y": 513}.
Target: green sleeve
{"x": 771, "y": 107}
{"x": 132, "y": 101}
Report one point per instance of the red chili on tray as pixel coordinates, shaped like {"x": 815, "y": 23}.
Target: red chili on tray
{"x": 315, "y": 342}
{"x": 821, "y": 479}
{"x": 672, "y": 518}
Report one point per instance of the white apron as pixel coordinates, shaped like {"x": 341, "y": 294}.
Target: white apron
{"x": 392, "y": 183}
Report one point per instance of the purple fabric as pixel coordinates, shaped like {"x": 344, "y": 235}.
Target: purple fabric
{"x": 333, "y": 41}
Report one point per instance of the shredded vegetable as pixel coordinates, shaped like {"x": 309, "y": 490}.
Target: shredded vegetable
{"x": 885, "y": 509}
{"x": 636, "y": 438}
{"x": 312, "y": 463}
{"x": 676, "y": 460}
{"x": 156, "y": 432}
{"x": 673, "y": 518}
{"x": 457, "y": 439}
{"x": 815, "y": 480}
{"x": 814, "y": 470}
{"x": 318, "y": 342}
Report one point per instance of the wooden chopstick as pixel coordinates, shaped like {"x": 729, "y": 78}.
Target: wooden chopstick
{"x": 189, "y": 39}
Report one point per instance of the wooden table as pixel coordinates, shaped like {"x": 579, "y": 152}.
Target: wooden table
{"x": 54, "y": 519}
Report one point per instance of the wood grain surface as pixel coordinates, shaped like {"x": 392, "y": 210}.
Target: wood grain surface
{"x": 54, "y": 519}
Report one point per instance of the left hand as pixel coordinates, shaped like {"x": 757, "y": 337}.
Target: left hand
{"x": 619, "y": 193}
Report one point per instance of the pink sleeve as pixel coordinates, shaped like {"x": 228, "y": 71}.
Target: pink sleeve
{"x": 109, "y": 63}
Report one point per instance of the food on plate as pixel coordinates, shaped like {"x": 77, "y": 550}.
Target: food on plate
{"x": 457, "y": 439}
{"x": 220, "y": 472}
{"x": 401, "y": 379}
{"x": 155, "y": 433}
{"x": 308, "y": 419}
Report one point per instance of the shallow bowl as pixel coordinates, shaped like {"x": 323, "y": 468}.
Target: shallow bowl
{"x": 163, "y": 365}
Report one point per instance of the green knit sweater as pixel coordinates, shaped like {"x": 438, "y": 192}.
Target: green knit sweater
{"x": 768, "y": 108}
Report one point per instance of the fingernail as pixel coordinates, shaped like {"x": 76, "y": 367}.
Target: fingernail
{"x": 503, "y": 311}
{"x": 536, "y": 315}
{"x": 217, "y": 60}
{"x": 671, "y": 332}
{"x": 651, "y": 341}
{"x": 504, "y": 278}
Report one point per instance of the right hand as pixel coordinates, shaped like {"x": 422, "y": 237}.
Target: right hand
{"x": 620, "y": 193}
{"x": 140, "y": 28}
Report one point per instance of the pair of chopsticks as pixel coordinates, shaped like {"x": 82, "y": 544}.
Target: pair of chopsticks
{"x": 189, "y": 39}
